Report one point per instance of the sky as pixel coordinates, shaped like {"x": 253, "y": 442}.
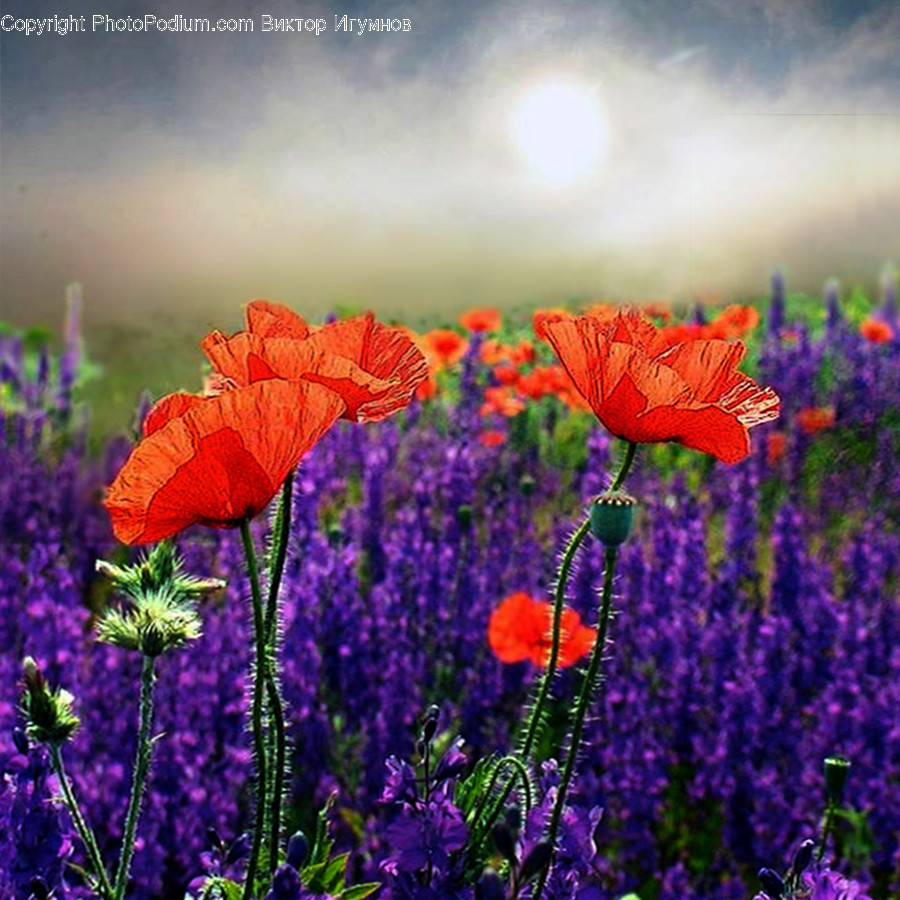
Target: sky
{"x": 496, "y": 152}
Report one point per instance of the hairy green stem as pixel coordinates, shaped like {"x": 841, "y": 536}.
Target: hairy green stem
{"x": 81, "y": 826}
{"x": 522, "y": 772}
{"x": 258, "y": 676}
{"x": 588, "y": 687}
{"x": 139, "y": 776}
{"x": 278, "y": 757}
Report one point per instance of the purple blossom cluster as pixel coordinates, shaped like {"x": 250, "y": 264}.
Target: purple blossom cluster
{"x": 757, "y": 631}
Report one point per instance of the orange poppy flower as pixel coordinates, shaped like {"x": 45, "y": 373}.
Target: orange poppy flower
{"x": 492, "y": 352}
{"x": 734, "y": 322}
{"x": 522, "y": 353}
{"x": 644, "y": 391}
{"x": 480, "y": 320}
{"x": 506, "y": 375}
{"x": 445, "y": 347}
{"x": 216, "y": 460}
{"x": 875, "y": 331}
{"x": 815, "y": 418}
{"x": 375, "y": 369}
{"x": 501, "y": 400}
{"x": 521, "y": 628}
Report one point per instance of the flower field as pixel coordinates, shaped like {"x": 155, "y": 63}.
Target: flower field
{"x": 755, "y": 628}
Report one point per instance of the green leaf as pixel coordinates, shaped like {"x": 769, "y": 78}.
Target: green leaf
{"x": 358, "y": 891}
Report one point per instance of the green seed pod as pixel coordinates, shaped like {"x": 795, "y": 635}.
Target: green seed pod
{"x": 612, "y": 517}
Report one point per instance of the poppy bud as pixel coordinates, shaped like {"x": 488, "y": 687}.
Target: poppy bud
{"x": 335, "y": 535}
{"x": 48, "y": 713}
{"x": 527, "y": 485}
{"x": 505, "y": 841}
{"x": 612, "y": 517}
{"x": 536, "y": 861}
{"x": 490, "y": 887}
{"x": 771, "y": 883}
{"x": 836, "y": 771}
{"x": 803, "y": 857}
{"x": 297, "y": 850}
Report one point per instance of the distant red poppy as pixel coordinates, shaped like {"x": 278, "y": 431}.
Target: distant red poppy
{"x": 501, "y": 400}
{"x": 776, "y": 445}
{"x": 506, "y": 375}
{"x": 521, "y": 628}
{"x": 522, "y": 353}
{"x": 491, "y": 438}
{"x": 815, "y": 418}
{"x": 445, "y": 347}
{"x": 642, "y": 390}
{"x": 876, "y": 331}
{"x": 375, "y": 369}
{"x": 480, "y": 320}
{"x": 216, "y": 460}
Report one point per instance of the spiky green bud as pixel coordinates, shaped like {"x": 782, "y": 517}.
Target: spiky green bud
{"x": 154, "y": 623}
{"x": 49, "y": 718}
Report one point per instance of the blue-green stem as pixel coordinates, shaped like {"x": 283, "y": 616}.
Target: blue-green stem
{"x": 258, "y": 676}
{"x": 588, "y": 687}
{"x": 139, "y": 776}
{"x": 278, "y": 759}
{"x": 104, "y": 887}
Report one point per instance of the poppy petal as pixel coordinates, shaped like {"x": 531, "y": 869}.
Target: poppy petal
{"x": 220, "y": 462}
{"x": 272, "y": 320}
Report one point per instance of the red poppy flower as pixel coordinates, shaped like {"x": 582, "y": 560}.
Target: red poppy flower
{"x": 375, "y": 369}
{"x": 644, "y": 391}
{"x": 480, "y": 320}
{"x": 501, "y": 400}
{"x": 491, "y": 438}
{"x": 521, "y": 628}
{"x": 506, "y": 375}
{"x": 815, "y": 418}
{"x": 876, "y": 331}
{"x": 216, "y": 460}
{"x": 776, "y": 445}
{"x": 446, "y": 347}
{"x": 540, "y": 318}
{"x": 522, "y": 353}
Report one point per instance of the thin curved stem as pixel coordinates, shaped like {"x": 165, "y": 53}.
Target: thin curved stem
{"x": 521, "y": 771}
{"x": 630, "y": 452}
{"x": 81, "y": 826}
{"x": 273, "y": 688}
{"x": 588, "y": 687}
{"x": 138, "y": 777}
{"x": 258, "y": 677}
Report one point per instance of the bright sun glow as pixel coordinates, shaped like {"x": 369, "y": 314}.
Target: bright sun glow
{"x": 560, "y": 130}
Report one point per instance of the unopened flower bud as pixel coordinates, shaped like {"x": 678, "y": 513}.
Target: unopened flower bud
{"x": 430, "y": 723}
{"x": 612, "y": 517}
{"x": 836, "y": 771}
{"x": 803, "y": 857}
{"x": 505, "y": 841}
{"x": 239, "y": 848}
{"x": 285, "y": 883}
{"x": 20, "y": 739}
{"x": 335, "y": 535}
{"x": 48, "y": 713}
{"x": 297, "y": 850}
{"x": 527, "y": 485}
{"x": 771, "y": 883}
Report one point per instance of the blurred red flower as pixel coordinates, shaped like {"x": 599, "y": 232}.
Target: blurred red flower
{"x": 644, "y": 391}
{"x": 480, "y": 320}
{"x": 491, "y": 438}
{"x": 875, "y": 331}
{"x": 445, "y": 347}
{"x": 815, "y": 418}
{"x": 520, "y": 628}
{"x": 501, "y": 400}
{"x": 216, "y": 460}
{"x": 375, "y": 369}
{"x": 776, "y": 445}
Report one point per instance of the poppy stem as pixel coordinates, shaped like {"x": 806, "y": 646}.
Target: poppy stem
{"x": 628, "y": 460}
{"x": 103, "y": 887}
{"x": 258, "y": 677}
{"x": 139, "y": 776}
{"x": 588, "y": 688}
{"x": 281, "y": 530}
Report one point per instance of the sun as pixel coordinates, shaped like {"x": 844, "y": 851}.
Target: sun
{"x": 559, "y": 128}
